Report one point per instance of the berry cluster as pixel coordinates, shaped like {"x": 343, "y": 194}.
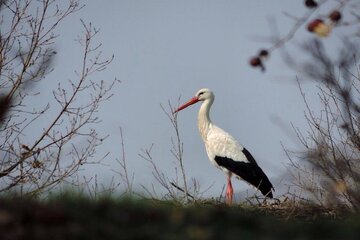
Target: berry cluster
{"x": 323, "y": 28}
{"x": 257, "y": 61}
{"x": 318, "y": 26}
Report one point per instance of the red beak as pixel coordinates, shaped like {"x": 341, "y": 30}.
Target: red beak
{"x": 185, "y": 105}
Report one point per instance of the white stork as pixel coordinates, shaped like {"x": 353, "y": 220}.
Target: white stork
{"x": 225, "y": 152}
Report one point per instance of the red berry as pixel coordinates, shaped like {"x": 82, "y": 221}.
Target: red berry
{"x": 320, "y": 28}
{"x": 335, "y": 16}
{"x": 313, "y": 24}
{"x": 311, "y": 3}
{"x": 263, "y": 53}
{"x": 255, "y": 61}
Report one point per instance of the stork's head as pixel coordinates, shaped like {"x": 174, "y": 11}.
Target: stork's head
{"x": 204, "y": 94}
{"x": 201, "y": 95}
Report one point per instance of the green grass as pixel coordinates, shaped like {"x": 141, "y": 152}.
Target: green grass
{"x": 77, "y": 217}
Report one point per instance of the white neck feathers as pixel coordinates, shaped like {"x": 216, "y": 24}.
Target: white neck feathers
{"x": 204, "y": 121}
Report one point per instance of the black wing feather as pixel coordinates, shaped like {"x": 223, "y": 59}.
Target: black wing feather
{"x": 248, "y": 156}
{"x": 250, "y": 172}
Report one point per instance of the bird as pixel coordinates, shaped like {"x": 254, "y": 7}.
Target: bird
{"x": 225, "y": 152}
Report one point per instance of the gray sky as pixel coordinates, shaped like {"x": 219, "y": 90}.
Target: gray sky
{"x": 166, "y": 49}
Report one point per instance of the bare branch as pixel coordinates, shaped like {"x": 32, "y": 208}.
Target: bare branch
{"x": 41, "y": 160}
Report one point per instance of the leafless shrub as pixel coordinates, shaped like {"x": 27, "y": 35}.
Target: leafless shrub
{"x": 332, "y": 142}
{"x": 160, "y": 177}
{"x": 177, "y": 147}
{"x": 123, "y": 172}
{"x": 96, "y": 190}
{"x": 32, "y": 162}
{"x": 178, "y": 188}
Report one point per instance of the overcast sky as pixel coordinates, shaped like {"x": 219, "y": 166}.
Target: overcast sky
{"x": 167, "y": 49}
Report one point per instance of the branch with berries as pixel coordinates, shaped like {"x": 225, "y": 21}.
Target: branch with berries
{"x": 321, "y": 27}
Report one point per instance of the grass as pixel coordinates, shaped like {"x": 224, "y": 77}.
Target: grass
{"x": 78, "y": 217}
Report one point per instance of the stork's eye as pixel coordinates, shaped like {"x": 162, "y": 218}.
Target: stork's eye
{"x": 201, "y": 93}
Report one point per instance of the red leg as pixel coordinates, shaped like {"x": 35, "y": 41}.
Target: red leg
{"x": 229, "y": 191}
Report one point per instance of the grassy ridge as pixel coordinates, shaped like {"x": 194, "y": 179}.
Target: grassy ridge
{"x": 81, "y": 218}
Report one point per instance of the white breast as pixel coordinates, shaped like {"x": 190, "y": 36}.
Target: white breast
{"x": 222, "y": 144}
